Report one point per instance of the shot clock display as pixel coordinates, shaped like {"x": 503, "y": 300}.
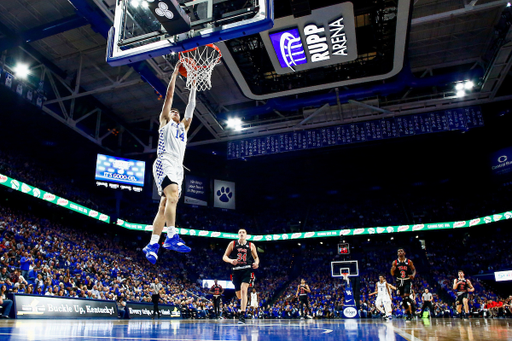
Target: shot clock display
{"x": 343, "y": 248}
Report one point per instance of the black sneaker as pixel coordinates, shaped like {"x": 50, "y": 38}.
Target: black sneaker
{"x": 241, "y": 320}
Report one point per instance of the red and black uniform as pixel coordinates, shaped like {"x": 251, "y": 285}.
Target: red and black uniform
{"x": 217, "y": 290}
{"x": 402, "y": 273}
{"x": 462, "y": 290}
{"x": 242, "y": 271}
{"x": 303, "y": 299}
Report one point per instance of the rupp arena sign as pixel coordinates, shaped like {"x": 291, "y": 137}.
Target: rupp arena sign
{"x": 325, "y": 37}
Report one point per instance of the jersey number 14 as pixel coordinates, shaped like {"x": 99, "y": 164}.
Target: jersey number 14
{"x": 180, "y": 136}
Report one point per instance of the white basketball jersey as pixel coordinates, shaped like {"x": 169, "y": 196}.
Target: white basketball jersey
{"x": 382, "y": 290}
{"x": 254, "y": 297}
{"x": 172, "y": 140}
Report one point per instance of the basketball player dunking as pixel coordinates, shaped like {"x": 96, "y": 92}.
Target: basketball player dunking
{"x": 383, "y": 293}
{"x": 168, "y": 170}
{"x": 216, "y": 290}
{"x": 246, "y": 260}
{"x": 404, "y": 271}
{"x": 302, "y": 293}
{"x": 462, "y": 286}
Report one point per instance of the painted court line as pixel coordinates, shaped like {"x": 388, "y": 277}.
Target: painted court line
{"x": 405, "y": 335}
{"x": 71, "y": 337}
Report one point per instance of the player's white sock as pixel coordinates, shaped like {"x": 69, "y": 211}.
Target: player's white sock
{"x": 171, "y": 231}
{"x": 155, "y": 238}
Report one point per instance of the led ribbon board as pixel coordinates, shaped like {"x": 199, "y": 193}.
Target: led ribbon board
{"x": 37, "y": 193}
{"x": 52, "y": 198}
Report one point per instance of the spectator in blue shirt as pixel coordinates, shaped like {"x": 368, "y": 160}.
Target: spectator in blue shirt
{"x": 25, "y": 262}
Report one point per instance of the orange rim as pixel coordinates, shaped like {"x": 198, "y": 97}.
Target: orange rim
{"x": 213, "y": 46}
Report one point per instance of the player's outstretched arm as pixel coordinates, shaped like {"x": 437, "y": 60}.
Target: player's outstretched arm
{"x": 254, "y": 253}
{"x": 189, "y": 110}
{"x": 226, "y": 258}
{"x": 169, "y": 96}
{"x": 391, "y": 286}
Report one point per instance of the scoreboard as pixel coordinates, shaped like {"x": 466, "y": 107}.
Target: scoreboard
{"x": 343, "y": 249}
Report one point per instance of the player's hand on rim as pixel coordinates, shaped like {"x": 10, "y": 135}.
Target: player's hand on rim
{"x": 177, "y": 67}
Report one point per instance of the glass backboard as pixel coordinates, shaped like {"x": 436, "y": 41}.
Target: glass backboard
{"x": 149, "y": 28}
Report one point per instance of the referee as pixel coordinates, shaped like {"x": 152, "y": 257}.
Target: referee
{"x": 427, "y": 302}
{"x": 156, "y": 288}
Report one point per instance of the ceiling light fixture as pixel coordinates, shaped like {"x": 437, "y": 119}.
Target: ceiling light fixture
{"x": 21, "y": 70}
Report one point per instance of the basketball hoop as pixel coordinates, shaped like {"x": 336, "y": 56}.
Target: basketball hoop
{"x": 199, "y": 63}
{"x": 345, "y": 277}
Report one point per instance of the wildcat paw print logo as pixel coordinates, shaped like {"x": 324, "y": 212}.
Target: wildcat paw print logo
{"x": 225, "y": 194}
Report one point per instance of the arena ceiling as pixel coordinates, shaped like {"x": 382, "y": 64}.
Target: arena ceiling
{"x": 117, "y": 107}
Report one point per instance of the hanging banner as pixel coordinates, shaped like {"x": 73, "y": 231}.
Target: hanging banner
{"x": 196, "y": 190}
{"x": 224, "y": 194}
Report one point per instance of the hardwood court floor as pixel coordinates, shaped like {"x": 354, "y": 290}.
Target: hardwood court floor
{"x": 257, "y": 330}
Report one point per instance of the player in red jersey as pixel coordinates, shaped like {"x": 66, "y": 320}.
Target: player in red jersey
{"x": 462, "y": 286}
{"x": 404, "y": 271}
{"x": 246, "y": 260}
{"x": 216, "y": 290}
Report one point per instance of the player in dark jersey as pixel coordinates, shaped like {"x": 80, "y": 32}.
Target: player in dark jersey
{"x": 302, "y": 293}
{"x": 404, "y": 271}
{"x": 246, "y": 260}
{"x": 216, "y": 290}
{"x": 462, "y": 286}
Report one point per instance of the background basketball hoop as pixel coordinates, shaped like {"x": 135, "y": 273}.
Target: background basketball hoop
{"x": 199, "y": 63}
{"x": 345, "y": 277}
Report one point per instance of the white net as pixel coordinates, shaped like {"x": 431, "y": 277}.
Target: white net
{"x": 199, "y": 63}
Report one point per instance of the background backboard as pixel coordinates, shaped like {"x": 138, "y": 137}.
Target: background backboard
{"x": 351, "y": 267}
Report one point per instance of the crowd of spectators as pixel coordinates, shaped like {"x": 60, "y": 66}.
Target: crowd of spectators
{"x": 39, "y": 256}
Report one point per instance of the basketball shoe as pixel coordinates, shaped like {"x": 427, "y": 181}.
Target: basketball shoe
{"x": 151, "y": 252}
{"x": 175, "y": 243}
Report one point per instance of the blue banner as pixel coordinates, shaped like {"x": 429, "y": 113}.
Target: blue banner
{"x": 501, "y": 162}
{"x": 349, "y": 307}
{"x": 411, "y": 125}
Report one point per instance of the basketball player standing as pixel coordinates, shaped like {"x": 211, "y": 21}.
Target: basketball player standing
{"x": 462, "y": 286}
{"x": 217, "y": 290}
{"x": 246, "y": 260}
{"x": 168, "y": 170}
{"x": 254, "y": 301}
{"x": 383, "y": 297}
{"x": 404, "y": 271}
{"x": 302, "y": 293}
